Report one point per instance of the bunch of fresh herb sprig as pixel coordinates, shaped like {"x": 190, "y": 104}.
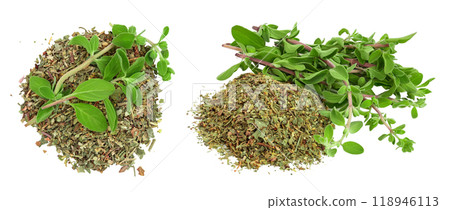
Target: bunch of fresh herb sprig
{"x": 343, "y": 71}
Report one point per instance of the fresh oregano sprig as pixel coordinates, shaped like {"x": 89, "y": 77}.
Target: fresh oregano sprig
{"x": 343, "y": 71}
{"x": 115, "y": 70}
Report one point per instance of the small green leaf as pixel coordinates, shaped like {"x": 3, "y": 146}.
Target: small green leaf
{"x": 124, "y": 59}
{"x": 102, "y": 62}
{"x": 355, "y": 126}
{"x": 118, "y": 29}
{"x": 290, "y": 48}
{"x": 247, "y": 37}
{"x": 337, "y": 118}
{"x": 137, "y": 66}
{"x": 414, "y": 112}
{"x": 41, "y": 87}
{"x": 331, "y": 152}
{"x": 374, "y": 56}
{"x": 124, "y": 40}
{"x": 383, "y": 137}
{"x": 94, "y": 42}
{"x": 426, "y": 83}
{"x": 384, "y": 102}
{"x": 366, "y": 104}
{"x": 352, "y": 148}
{"x": 315, "y": 77}
{"x": 339, "y": 72}
{"x": 82, "y": 41}
{"x": 164, "y": 33}
{"x": 132, "y": 29}
{"x": 388, "y": 63}
{"x": 43, "y": 114}
{"x": 90, "y": 116}
{"x": 227, "y": 74}
{"x": 401, "y": 39}
{"x": 148, "y": 59}
{"x": 332, "y": 97}
{"x": 94, "y": 90}
{"x": 113, "y": 68}
{"x": 343, "y": 30}
{"x": 111, "y": 114}
{"x": 162, "y": 67}
{"x": 328, "y": 133}
{"x": 140, "y": 40}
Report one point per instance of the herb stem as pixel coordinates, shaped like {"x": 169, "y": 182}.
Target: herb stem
{"x": 383, "y": 120}
{"x": 81, "y": 67}
{"x": 265, "y": 63}
{"x": 155, "y": 46}
{"x": 353, "y": 61}
{"x": 57, "y": 102}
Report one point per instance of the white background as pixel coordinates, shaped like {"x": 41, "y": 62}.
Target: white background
{"x": 182, "y": 174}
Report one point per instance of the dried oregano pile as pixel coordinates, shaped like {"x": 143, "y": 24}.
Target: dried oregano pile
{"x": 259, "y": 121}
{"x": 95, "y": 97}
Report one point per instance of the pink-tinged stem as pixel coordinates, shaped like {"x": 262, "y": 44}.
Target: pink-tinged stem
{"x": 382, "y": 119}
{"x": 376, "y": 45}
{"x": 353, "y": 61}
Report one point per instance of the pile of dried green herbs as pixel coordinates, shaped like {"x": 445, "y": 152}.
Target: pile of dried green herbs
{"x": 260, "y": 121}
{"x": 77, "y": 82}
{"x": 355, "y": 75}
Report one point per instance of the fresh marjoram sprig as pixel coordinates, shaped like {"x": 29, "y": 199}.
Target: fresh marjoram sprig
{"x": 344, "y": 72}
{"x": 113, "y": 69}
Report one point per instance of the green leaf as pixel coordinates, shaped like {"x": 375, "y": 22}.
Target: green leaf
{"x": 94, "y": 42}
{"x": 337, "y": 118}
{"x": 366, "y": 104}
{"x": 113, "y": 68}
{"x": 227, "y": 74}
{"x": 137, "y": 66}
{"x": 82, "y": 41}
{"x": 355, "y": 126}
{"x": 352, "y": 148}
{"x": 290, "y": 48}
{"x": 247, "y": 37}
{"x": 401, "y": 39}
{"x": 124, "y": 40}
{"x": 148, "y": 59}
{"x": 343, "y": 30}
{"x": 111, "y": 114}
{"x": 414, "y": 112}
{"x": 332, "y": 97}
{"x": 132, "y": 29}
{"x": 164, "y": 33}
{"x": 331, "y": 152}
{"x": 374, "y": 56}
{"x": 94, "y": 90}
{"x": 328, "y": 133}
{"x": 383, "y": 137}
{"x": 41, "y": 87}
{"x": 90, "y": 116}
{"x": 426, "y": 83}
{"x": 102, "y": 62}
{"x": 43, "y": 114}
{"x": 290, "y": 65}
{"x": 339, "y": 72}
{"x": 124, "y": 59}
{"x": 315, "y": 77}
{"x": 388, "y": 63}
{"x": 140, "y": 40}
{"x": 117, "y": 29}
{"x": 162, "y": 67}
{"x": 325, "y": 54}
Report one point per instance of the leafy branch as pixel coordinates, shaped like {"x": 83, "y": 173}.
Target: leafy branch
{"x": 115, "y": 70}
{"x": 343, "y": 71}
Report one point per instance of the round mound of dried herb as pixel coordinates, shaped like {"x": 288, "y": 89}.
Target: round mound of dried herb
{"x": 260, "y": 121}
{"x": 94, "y": 97}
